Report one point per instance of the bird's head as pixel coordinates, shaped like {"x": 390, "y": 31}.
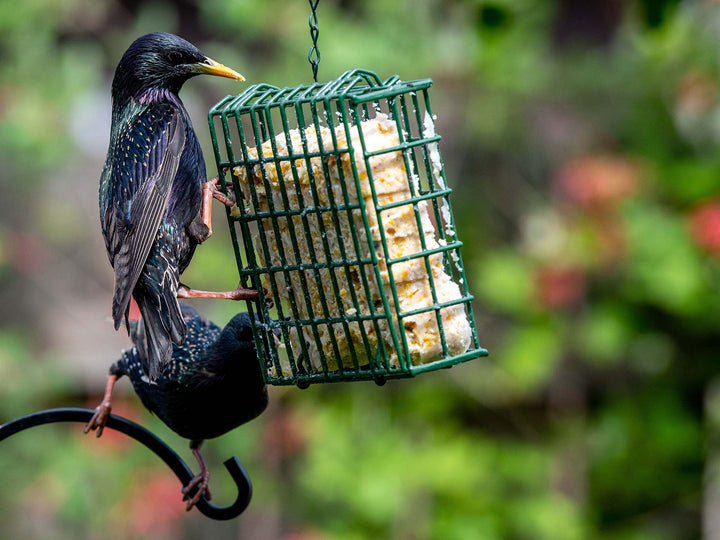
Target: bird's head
{"x": 238, "y": 333}
{"x": 158, "y": 63}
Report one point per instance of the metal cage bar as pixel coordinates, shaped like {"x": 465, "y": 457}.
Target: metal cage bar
{"x": 336, "y": 304}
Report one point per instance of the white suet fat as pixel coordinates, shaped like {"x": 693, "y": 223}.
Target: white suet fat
{"x": 317, "y": 231}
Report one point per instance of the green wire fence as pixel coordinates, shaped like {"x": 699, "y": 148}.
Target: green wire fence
{"x": 356, "y": 281}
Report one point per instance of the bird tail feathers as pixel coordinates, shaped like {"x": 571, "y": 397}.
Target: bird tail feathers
{"x": 163, "y": 327}
{"x": 156, "y": 295}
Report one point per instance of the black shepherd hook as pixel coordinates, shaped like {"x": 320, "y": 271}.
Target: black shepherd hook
{"x": 142, "y": 435}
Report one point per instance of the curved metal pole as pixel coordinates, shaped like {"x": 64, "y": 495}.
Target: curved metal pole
{"x": 142, "y": 435}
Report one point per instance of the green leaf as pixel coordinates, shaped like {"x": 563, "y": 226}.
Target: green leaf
{"x": 530, "y": 355}
{"x": 664, "y": 268}
{"x": 604, "y": 334}
{"x": 504, "y": 280}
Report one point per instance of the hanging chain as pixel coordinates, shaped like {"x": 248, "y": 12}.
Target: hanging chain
{"x": 314, "y": 54}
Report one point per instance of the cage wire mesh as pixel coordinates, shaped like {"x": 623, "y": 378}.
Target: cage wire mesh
{"x": 346, "y": 229}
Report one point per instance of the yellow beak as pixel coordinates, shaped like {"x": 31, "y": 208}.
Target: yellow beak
{"x": 211, "y": 67}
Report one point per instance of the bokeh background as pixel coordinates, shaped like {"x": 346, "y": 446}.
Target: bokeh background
{"x": 582, "y": 140}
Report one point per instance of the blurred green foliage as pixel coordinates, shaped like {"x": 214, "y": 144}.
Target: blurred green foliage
{"x": 581, "y": 139}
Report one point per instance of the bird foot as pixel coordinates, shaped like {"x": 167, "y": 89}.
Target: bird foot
{"x": 102, "y": 412}
{"x": 238, "y": 294}
{"x": 99, "y": 419}
{"x": 210, "y": 191}
{"x": 212, "y": 186}
{"x": 198, "y": 486}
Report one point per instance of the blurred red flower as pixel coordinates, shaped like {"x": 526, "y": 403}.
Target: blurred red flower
{"x": 599, "y": 182}
{"x": 134, "y": 314}
{"x": 154, "y": 507}
{"x": 559, "y": 287}
{"x": 704, "y": 223}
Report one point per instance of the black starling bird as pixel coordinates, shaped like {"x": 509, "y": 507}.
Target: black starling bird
{"x": 212, "y": 384}
{"x": 154, "y": 199}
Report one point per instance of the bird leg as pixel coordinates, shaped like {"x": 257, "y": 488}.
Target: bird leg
{"x": 210, "y": 192}
{"x": 102, "y": 412}
{"x": 238, "y": 294}
{"x": 199, "y": 482}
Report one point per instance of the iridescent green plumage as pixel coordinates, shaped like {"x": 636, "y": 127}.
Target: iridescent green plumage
{"x": 151, "y": 185}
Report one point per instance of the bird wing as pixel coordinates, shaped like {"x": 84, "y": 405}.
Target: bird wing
{"x": 147, "y": 157}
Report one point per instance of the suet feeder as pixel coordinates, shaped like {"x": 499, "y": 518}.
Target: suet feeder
{"x": 345, "y": 228}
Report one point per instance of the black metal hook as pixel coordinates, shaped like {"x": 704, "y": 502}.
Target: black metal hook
{"x": 151, "y": 441}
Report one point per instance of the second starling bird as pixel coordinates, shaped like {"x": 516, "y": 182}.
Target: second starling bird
{"x": 213, "y": 384}
{"x": 154, "y": 198}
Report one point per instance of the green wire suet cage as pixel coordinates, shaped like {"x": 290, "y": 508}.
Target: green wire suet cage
{"x": 344, "y": 227}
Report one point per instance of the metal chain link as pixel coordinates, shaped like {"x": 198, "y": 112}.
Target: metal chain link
{"x": 314, "y": 54}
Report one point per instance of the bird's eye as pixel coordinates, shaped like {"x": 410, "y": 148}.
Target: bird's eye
{"x": 175, "y": 57}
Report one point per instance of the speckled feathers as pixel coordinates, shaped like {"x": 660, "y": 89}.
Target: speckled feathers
{"x": 151, "y": 187}
{"x": 212, "y": 384}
